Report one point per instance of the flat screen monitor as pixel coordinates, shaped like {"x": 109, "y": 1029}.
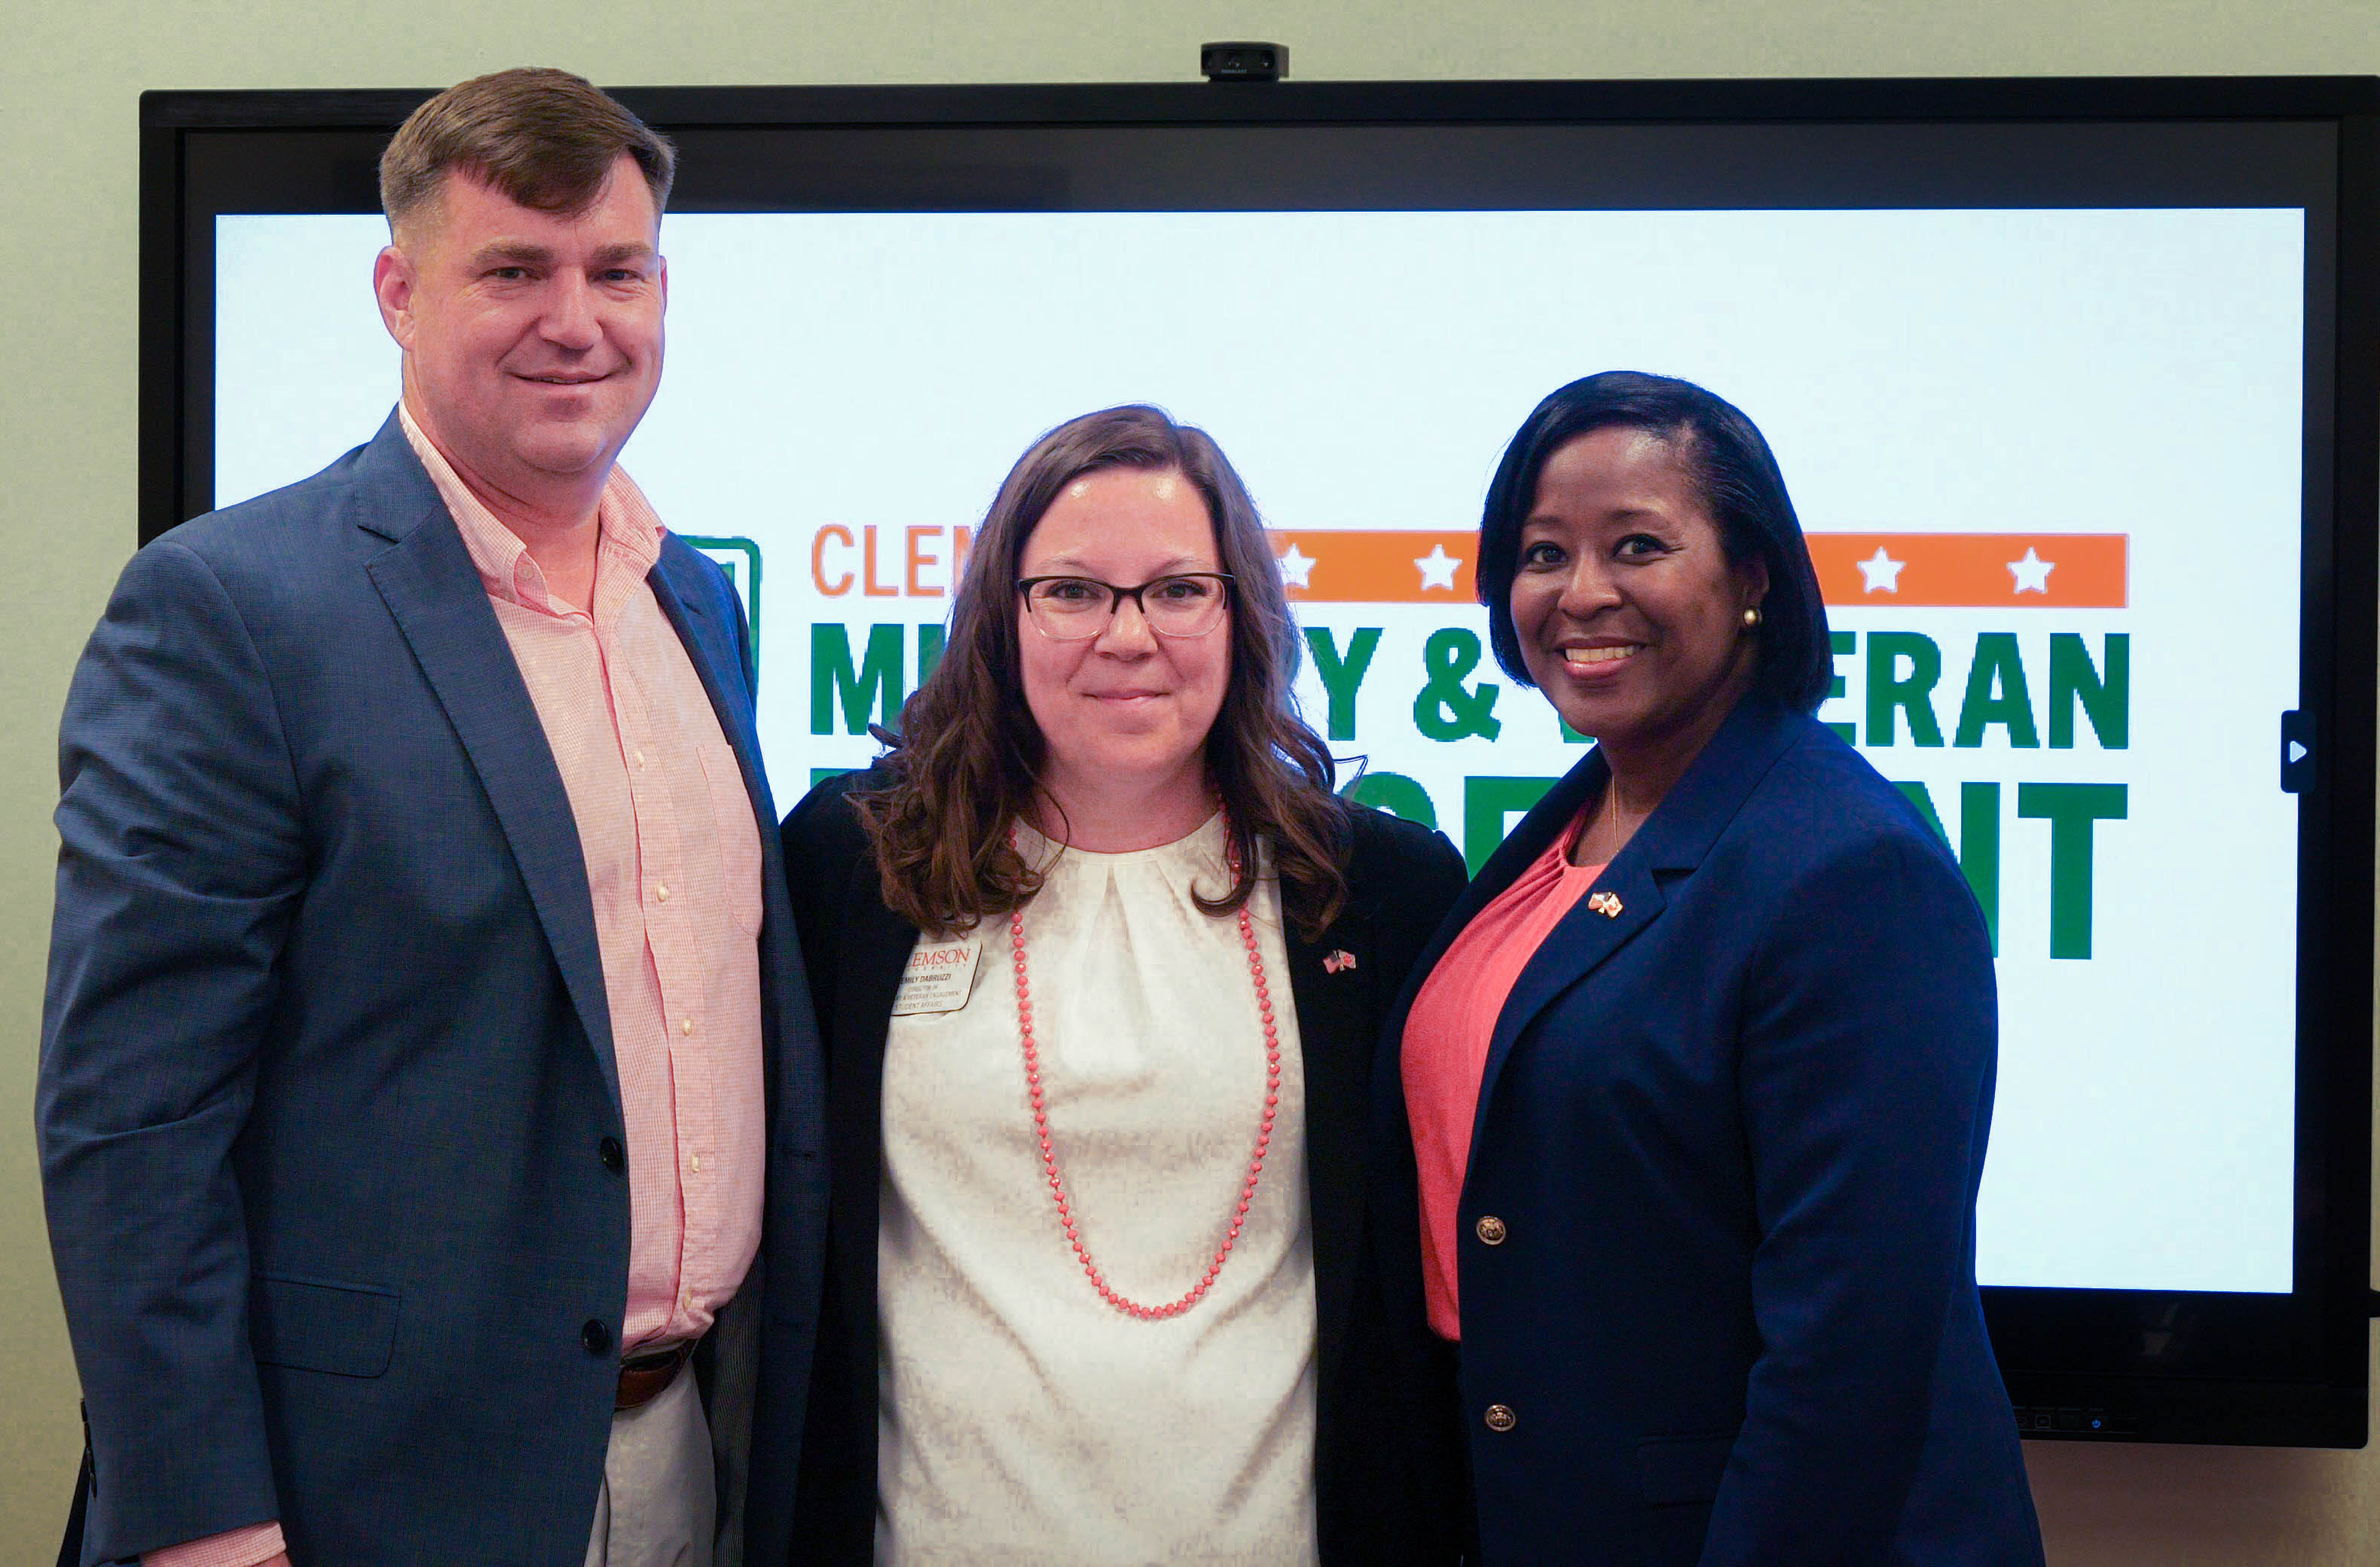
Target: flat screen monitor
{"x": 2073, "y": 385}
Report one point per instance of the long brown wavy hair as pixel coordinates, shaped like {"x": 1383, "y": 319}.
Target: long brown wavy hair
{"x": 970, "y": 755}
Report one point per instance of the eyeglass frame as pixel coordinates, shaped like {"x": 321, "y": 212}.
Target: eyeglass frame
{"x": 1116, "y": 596}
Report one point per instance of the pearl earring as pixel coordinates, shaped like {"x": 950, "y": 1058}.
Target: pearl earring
{"x": 1751, "y": 617}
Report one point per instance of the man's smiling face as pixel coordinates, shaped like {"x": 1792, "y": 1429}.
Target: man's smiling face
{"x": 532, "y": 339}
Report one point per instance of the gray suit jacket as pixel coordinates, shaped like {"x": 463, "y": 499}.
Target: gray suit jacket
{"x": 326, "y": 1059}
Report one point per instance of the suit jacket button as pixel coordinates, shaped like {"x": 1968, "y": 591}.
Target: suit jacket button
{"x": 1501, "y": 1418}
{"x": 608, "y": 1150}
{"x": 595, "y": 1336}
{"x": 1491, "y": 1230}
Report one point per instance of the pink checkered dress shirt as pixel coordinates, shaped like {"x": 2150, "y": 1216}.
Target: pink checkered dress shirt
{"x": 672, "y": 854}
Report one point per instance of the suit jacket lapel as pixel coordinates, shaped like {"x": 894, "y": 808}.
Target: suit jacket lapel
{"x": 1586, "y": 937}
{"x": 1673, "y": 839}
{"x": 1335, "y": 1019}
{"x": 711, "y": 648}
{"x": 434, "y": 593}
{"x": 872, "y": 954}
{"x": 1525, "y": 842}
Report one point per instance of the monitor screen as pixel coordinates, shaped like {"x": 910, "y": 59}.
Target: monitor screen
{"x": 2058, "y": 401}
{"x": 2049, "y": 462}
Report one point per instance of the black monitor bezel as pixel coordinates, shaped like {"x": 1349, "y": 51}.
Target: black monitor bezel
{"x": 2081, "y": 1364}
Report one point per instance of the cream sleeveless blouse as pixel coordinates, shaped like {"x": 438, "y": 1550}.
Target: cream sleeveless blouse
{"x": 1025, "y": 1420}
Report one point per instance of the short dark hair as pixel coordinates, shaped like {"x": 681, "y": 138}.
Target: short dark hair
{"x": 1737, "y": 477}
{"x": 545, "y": 139}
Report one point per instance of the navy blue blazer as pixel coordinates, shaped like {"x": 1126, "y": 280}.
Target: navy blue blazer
{"x": 327, "y": 1102}
{"x": 1733, "y": 1130}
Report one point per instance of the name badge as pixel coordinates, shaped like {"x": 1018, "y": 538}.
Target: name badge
{"x": 940, "y": 978}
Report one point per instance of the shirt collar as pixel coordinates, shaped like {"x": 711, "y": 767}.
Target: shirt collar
{"x": 629, "y": 531}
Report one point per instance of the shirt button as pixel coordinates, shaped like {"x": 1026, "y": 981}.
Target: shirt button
{"x": 1491, "y": 1230}
{"x": 1501, "y": 1418}
{"x": 660, "y": 890}
{"x": 641, "y": 761}
{"x": 697, "y": 1164}
{"x": 685, "y": 1026}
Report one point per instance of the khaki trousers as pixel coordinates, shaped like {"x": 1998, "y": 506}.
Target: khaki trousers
{"x": 657, "y": 1505}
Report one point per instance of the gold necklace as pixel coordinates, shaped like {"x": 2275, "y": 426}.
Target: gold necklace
{"x": 1604, "y": 824}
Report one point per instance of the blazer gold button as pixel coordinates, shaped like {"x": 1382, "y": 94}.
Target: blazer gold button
{"x": 1501, "y": 1418}
{"x": 1491, "y": 1230}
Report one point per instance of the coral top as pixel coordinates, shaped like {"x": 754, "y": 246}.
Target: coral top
{"x": 1445, "y": 1048}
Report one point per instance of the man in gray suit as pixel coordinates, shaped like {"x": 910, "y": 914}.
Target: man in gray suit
{"x": 428, "y": 1097}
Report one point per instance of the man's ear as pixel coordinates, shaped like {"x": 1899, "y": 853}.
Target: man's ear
{"x": 393, "y": 284}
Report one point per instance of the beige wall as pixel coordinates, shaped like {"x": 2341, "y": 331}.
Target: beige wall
{"x": 69, "y": 80}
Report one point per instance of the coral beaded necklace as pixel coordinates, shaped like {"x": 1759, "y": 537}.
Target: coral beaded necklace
{"x": 1048, "y": 1151}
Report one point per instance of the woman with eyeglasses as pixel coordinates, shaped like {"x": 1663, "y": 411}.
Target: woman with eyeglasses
{"x": 1103, "y": 967}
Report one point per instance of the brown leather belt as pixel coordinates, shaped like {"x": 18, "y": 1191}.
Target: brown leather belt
{"x": 646, "y": 1374}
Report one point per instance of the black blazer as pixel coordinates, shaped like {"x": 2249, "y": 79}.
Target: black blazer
{"x": 1380, "y": 1497}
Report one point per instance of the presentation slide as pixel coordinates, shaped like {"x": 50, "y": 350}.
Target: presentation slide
{"x": 2039, "y": 453}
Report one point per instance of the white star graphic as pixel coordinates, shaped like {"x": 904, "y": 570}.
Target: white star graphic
{"x": 1437, "y": 568}
{"x": 1883, "y": 573}
{"x": 2031, "y": 572}
{"x": 1296, "y": 567}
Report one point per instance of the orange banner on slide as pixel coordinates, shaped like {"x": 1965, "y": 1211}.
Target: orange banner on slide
{"x": 2072, "y": 571}
{"x": 1916, "y": 570}
{"x": 1377, "y": 565}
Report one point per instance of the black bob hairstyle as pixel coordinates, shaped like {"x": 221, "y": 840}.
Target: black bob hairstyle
{"x": 1736, "y": 473}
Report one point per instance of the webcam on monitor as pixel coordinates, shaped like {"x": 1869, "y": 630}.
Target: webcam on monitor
{"x": 1243, "y": 62}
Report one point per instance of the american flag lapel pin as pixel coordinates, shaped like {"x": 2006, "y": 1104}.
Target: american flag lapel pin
{"x": 1337, "y": 960}
{"x": 1605, "y": 904}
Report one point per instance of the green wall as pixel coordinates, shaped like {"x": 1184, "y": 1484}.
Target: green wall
{"x": 69, "y": 81}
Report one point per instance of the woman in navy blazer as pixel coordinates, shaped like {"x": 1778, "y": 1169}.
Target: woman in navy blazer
{"x": 1705, "y": 1233}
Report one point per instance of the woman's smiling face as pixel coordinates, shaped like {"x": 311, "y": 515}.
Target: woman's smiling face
{"x": 1629, "y": 614}
{"x": 1125, "y": 705}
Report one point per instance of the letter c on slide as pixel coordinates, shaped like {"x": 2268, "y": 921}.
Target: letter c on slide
{"x": 841, "y": 585}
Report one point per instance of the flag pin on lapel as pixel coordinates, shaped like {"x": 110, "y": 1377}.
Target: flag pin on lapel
{"x": 1604, "y": 904}
{"x": 1337, "y": 959}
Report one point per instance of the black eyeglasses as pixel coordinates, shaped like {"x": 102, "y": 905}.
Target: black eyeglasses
{"x": 1075, "y": 609}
